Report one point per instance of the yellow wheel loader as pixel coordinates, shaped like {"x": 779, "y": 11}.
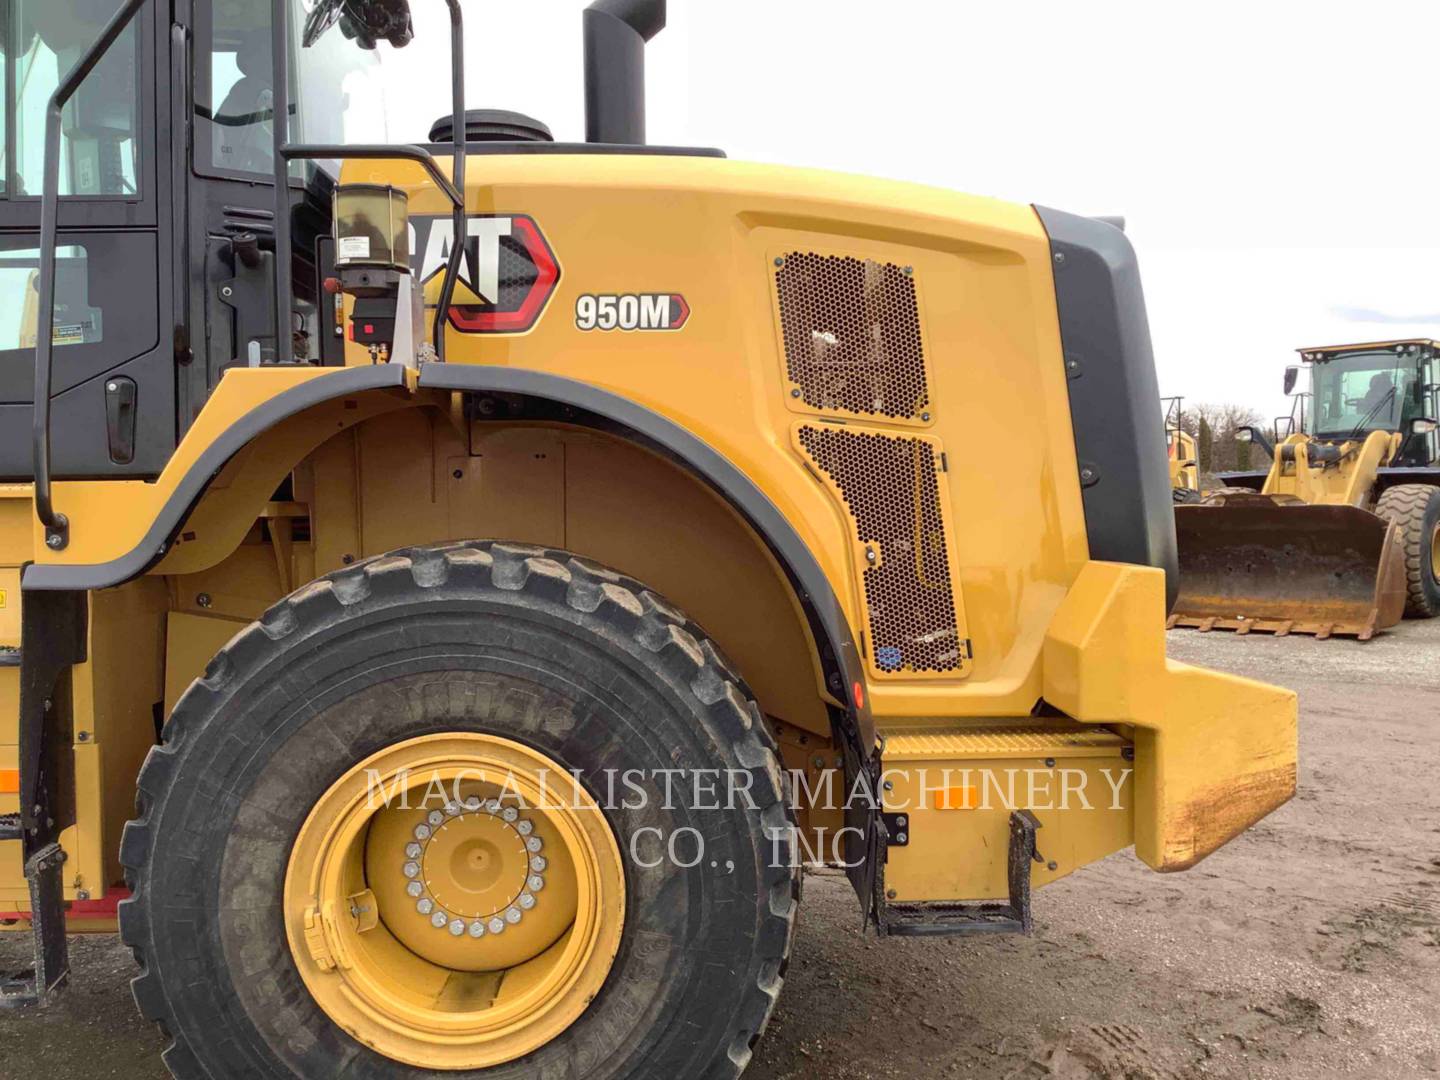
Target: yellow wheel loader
{"x": 450, "y": 591}
{"x": 1341, "y": 535}
{"x": 1182, "y": 453}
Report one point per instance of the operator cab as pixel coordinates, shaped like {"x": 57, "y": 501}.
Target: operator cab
{"x": 166, "y": 273}
{"x": 166, "y": 228}
{"x": 1382, "y": 386}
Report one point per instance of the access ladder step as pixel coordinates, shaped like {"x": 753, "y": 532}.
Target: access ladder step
{"x": 948, "y": 918}
{"x": 10, "y": 828}
{"x": 39, "y": 984}
{"x": 9, "y": 656}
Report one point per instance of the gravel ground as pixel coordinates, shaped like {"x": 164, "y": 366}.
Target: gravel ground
{"x": 1309, "y": 947}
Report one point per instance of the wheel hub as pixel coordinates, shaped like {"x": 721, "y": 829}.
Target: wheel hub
{"x": 481, "y": 870}
{"x": 464, "y": 917}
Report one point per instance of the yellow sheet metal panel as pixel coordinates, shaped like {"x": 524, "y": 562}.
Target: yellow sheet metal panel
{"x": 16, "y": 533}
{"x": 191, "y": 641}
{"x": 1214, "y": 753}
{"x": 712, "y": 230}
{"x": 957, "y": 785}
{"x": 116, "y": 692}
{"x": 9, "y": 709}
{"x": 9, "y": 606}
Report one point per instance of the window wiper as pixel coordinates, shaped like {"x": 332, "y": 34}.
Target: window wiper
{"x": 1386, "y": 400}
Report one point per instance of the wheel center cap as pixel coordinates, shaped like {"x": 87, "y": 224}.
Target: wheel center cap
{"x": 475, "y": 865}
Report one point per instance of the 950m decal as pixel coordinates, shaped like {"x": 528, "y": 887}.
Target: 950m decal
{"x": 631, "y": 311}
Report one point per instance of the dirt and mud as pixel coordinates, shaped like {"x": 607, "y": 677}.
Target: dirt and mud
{"x": 1309, "y": 947}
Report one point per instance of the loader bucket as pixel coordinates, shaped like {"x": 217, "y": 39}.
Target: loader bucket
{"x": 1251, "y": 563}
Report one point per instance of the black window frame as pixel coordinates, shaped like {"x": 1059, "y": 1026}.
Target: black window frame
{"x": 139, "y": 210}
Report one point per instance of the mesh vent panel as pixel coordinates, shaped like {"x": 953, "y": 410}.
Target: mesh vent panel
{"x": 891, "y": 488}
{"x": 852, "y": 335}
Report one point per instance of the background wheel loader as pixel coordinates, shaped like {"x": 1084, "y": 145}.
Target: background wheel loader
{"x": 1342, "y": 534}
{"x": 1182, "y": 453}
{"x": 448, "y": 591}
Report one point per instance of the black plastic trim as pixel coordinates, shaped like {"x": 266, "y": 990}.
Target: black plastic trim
{"x": 316, "y": 391}
{"x": 1114, "y": 395}
{"x": 827, "y": 618}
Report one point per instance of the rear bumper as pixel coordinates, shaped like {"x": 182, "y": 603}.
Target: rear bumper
{"x": 1214, "y": 753}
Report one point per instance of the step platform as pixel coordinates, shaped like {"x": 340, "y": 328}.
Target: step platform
{"x": 979, "y": 813}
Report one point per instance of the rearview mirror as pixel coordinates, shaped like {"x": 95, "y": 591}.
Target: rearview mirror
{"x": 1292, "y": 373}
{"x": 365, "y": 22}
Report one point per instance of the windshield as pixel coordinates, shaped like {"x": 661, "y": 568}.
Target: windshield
{"x": 1360, "y": 392}
{"x": 336, "y": 95}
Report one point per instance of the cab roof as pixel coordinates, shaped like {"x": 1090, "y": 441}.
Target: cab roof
{"x": 1325, "y": 352}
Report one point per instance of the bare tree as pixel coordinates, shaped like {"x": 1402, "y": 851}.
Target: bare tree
{"x": 1214, "y": 427}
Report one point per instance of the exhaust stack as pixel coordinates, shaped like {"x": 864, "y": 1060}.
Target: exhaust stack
{"x": 615, "y": 35}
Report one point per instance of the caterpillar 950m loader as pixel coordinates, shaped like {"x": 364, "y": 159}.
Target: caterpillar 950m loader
{"x": 1341, "y": 534}
{"x": 501, "y": 564}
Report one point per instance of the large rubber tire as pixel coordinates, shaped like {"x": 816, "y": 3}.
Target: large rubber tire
{"x": 580, "y": 663}
{"x": 1416, "y": 509}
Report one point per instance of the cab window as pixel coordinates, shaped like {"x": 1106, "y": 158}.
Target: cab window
{"x": 1360, "y": 392}
{"x": 43, "y": 41}
{"x": 334, "y": 92}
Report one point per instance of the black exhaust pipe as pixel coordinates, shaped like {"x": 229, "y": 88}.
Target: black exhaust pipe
{"x": 615, "y": 35}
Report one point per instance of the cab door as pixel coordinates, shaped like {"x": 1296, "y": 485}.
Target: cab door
{"x": 113, "y": 410}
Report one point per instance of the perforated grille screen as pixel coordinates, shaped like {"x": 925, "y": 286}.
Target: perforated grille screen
{"x": 852, "y": 335}
{"x": 891, "y": 488}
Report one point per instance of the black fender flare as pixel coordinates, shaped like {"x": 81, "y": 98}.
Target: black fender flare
{"x": 587, "y": 405}
{"x": 574, "y": 402}
{"x": 344, "y": 382}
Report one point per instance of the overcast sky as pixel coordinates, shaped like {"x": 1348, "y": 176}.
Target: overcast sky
{"x": 1276, "y": 162}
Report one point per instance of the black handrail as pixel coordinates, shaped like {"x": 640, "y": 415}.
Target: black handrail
{"x": 377, "y": 152}
{"x": 284, "y": 152}
{"x": 57, "y": 525}
{"x": 457, "y": 173}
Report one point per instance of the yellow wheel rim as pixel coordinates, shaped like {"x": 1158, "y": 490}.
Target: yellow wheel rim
{"x": 455, "y": 901}
{"x": 1435, "y": 553}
